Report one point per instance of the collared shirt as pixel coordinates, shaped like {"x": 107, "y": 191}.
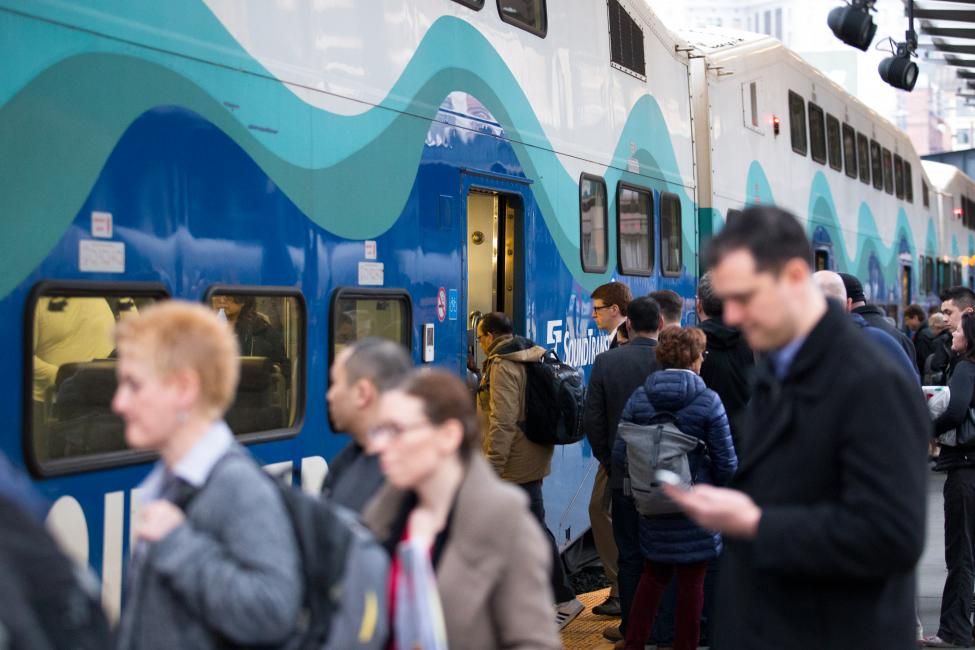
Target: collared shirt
{"x": 783, "y": 357}
{"x": 195, "y": 466}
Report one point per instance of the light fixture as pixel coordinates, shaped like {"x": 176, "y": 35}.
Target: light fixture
{"x": 898, "y": 70}
{"x": 853, "y": 24}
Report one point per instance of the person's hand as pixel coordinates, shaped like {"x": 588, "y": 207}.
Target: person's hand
{"x": 730, "y": 512}
{"x": 158, "y": 519}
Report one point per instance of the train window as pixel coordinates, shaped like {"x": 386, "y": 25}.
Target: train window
{"x": 625, "y": 41}
{"x": 850, "y": 150}
{"x": 908, "y": 183}
{"x": 361, "y": 313}
{"x": 670, "y": 234}
{"x": 270, "y": 326}
{"x": 888, "y": 172}
{"x": 527, "y": 14}
{"x": 634, "y": 207}
{"x": 955, "y": 274}
{"x": 863, "y": 157}
{"x": 71, "y": 367}
{"x": 797, "y": 123}
{"x": 925, "y": 195}
{"x": 476, "y": 5}
{"x": 592, "y": 219}
{"x": 835, "y": 146}
{"x": 877, "y": 167}
{"x": 899, "y": 176}
{"x": 817, "y": 133}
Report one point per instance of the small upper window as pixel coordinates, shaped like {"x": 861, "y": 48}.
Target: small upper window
{"x": 863, "y": 157}
{"x": 925, "y": 195}
{"x": 797, "y": 123}
{"x": 908, "y": 183}
{"x": 625, "y": 41}
{"x": 477, "y": 5}
{"x": 835, "y": 146}
{"x": 899, "y": 176}
{"x": 817, "y": 133}
{"x": 634, "y": 208}
{"x": 528, "y": 14}
{"x": 270, "y": 328}
{"x": 876, "y": 165}
{"x": 362, "y": 313}
{"x": 71, "y": 426}
{"x": 888, "y": 172}
{"x": 592, "y": 219}
{"x": 671, "y": 247}
{"x": 850, "y": 150}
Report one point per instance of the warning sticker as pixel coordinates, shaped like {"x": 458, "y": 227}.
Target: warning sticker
{"x": 101, "y": 256}
{"x": 441, "y": 304}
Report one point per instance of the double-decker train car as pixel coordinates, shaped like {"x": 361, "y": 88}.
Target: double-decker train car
{"x": 948, "y": 261}
{"x": 325, "y": 171}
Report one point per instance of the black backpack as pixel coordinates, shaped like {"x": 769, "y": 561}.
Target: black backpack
{"x": 555, "y": 394}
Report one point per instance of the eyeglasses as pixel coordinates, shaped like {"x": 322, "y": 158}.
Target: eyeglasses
{"x": 704, "y": 355}
{"x": 393, "y": 430}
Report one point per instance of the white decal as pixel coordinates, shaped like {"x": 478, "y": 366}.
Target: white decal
{"x": 101, "y": 225}
{"x": 66, "y": 523}
{"x": 371, "y": 274}
{"x": 101, "y": 256}
{"x": 313, "y": 471}
{"x": 553, "y": 332}
{"x": 633, "y": 165}
{"x": 112, "y": 554}
{"x": 370, "y": 252}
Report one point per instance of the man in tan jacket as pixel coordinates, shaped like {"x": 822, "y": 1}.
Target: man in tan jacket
{"x": 515, "y": 458}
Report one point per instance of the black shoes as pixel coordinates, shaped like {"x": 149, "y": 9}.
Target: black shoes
{"x": 609, "y": 607}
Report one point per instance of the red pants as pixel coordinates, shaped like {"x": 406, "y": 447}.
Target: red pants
{"x": 690, "y": 602}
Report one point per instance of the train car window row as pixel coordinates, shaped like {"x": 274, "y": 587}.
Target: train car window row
{"x": 797, "y": 123}
{"x": 834, "y": 145}
{"x": 529, "y": 15}
{"x": 634, "y": 210}
{"x": 625, "y": 41}
{"x": 850, "y": 150}
{"x": 671, "y": 249}
{"x": 593, "y": 234}
{"x": 817, "y": 133}
{"x": 357, "y": 313}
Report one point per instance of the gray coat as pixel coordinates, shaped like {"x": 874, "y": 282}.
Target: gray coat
{"x": 229, "y": 573}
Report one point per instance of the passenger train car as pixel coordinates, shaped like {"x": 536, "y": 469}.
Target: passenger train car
{"x": 948, "y": 260}
{"x": 322, "y": 171}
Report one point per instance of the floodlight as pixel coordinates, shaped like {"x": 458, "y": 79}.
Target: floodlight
{"x": 853, "y": 24}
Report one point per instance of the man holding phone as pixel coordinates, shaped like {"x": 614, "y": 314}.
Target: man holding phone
{"x": 824, "y": 521}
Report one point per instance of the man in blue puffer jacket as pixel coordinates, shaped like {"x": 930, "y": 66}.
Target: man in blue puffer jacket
{"x": 673, "y": 543}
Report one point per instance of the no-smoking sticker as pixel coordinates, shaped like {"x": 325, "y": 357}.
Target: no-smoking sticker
{"x": 441, "y": 304}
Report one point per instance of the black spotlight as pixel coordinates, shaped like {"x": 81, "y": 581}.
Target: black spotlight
{"x": 898, "y": 70}
{"x": 853, "y": 24}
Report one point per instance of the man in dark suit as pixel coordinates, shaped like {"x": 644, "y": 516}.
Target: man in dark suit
{"x": 609, "y": 303}
{"x": 615, "y": 375}
{"x": 825, "y": 521}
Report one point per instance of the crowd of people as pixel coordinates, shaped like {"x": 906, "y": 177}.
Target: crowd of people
{"x": 781, "y": 503}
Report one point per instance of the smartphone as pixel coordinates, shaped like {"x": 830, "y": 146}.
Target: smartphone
{"x": 668, "y": 477}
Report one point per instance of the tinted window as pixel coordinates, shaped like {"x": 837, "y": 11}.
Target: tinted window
{"x": 863, "y": 157}
{"x": 833, "y": 140}
{"x": 635, "y": 210}
{"x": 592, "y": 213}
{"x": 72, "y": 366}
{"x": 925, "y": 196}
{"x": 908, "y": 182}
{"x": 797, "y": 123}
{"x": 850, "y": 150}
{"x": 670, "y": 234}
{"x": 527, "y": 14}
{"x": 473, "y": 4}
{"x": 625, "y": 40}
{"x": 876, "y": 165}
{"x": 270, "y": 329}
{"x": 361, "y": 313}
{"x": 899, "y": 176}
{"x": 817, "y": 133}
{"x": 888, "y": 172}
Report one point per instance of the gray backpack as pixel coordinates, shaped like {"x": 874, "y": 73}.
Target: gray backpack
{"x": 649, "y": 447}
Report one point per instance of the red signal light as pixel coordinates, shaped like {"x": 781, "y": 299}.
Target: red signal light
{"x": 776, "y": 123}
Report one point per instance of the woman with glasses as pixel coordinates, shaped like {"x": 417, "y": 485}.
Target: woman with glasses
{"x": 489, "y": 558}
{"x": 672, "y": 543}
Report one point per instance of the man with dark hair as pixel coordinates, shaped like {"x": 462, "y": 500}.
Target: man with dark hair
{"x": 729, "y": 360}
{"x": 360, "y": 374}
{"x": 609, "y": 303}
{"x": 955, "y": 303}
{"x": 615, "y": 375}
{"x": 671, "y": 306}
{"x": 827, "y": 509}
{"x": 874, "y": 315}
{"x": 916, "y": 322}
{"x": 501, "y": 404}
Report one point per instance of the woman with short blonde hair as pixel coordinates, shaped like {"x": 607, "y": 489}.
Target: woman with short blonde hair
{"x": 215, "y": 558}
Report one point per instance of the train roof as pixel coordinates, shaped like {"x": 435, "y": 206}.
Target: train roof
{"x": 942, "y": 175}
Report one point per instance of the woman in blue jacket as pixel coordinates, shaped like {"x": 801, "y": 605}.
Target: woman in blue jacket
{"x": 672, "y": 543}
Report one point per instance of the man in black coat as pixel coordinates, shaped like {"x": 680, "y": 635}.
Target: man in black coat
{"x": 824, "y": 523}
{"x": 874, "y": 315}
{"x": 615, "y": 375}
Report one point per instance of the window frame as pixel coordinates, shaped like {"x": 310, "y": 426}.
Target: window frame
{"x": 846, "y": 129}
{"x": 888, "y": 157}
{"x": 263, "y": 291}
{"x": 540, "y": 32}
{"x": 925, "y": 193}
{"x": 899, "y": 163}
{"x": 908, "y": 182}
{"x": 651, "y": 229}
{"x": 877, "y": 168}
{"x": 813, "y": 140}
{"x": 863, "y": 158}
{"x": 476, "y": 5}
{"x": 78, "y": 289}
{"x": 582, "y": 257}
{"x": 798, "y": 99}
{"x": 835, "y": 161}
{"x": 368, "y": 293}
{"x": 620, "y": 65}
{"x": 665, "y": 196}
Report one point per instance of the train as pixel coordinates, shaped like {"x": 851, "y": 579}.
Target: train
{"x": 351, "y": 169}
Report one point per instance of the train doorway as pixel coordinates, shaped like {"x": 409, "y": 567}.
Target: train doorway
{"x": 906, "y": 285}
